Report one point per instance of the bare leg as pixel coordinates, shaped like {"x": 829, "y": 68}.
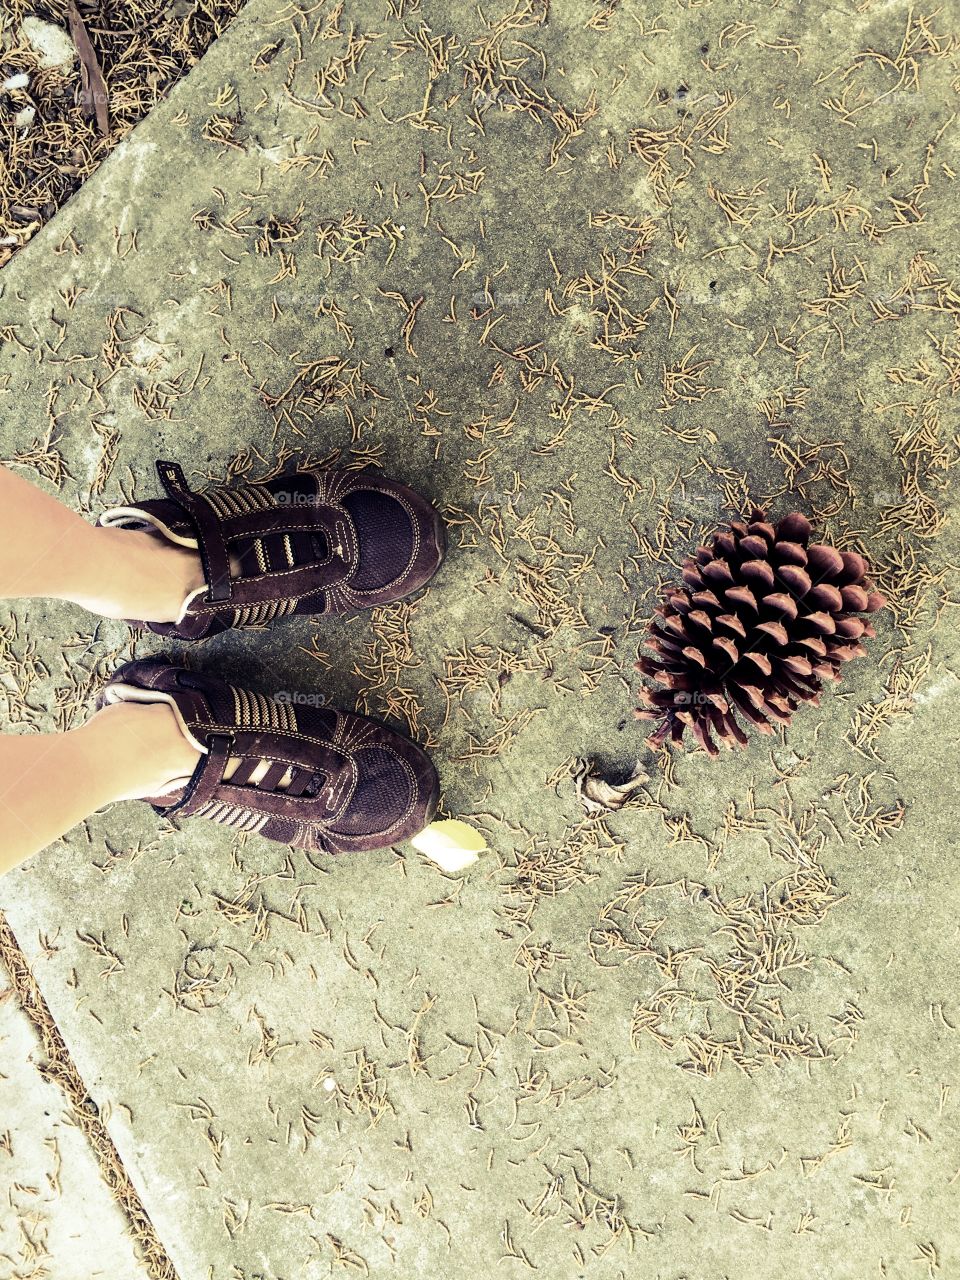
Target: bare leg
{"x": 49, "y": 782}
{"x": 48, "y": 550}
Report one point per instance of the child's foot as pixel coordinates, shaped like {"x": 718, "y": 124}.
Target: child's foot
{"x": 148, "y": 577}
{"x": 322, "y": 780}
{"x": 146, "y": 745}
{"x": 312, "y": 542}
{"x": 142, "y": 577}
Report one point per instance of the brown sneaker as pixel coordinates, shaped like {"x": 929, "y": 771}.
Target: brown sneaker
{"x": 319, "y": 779}
{"x": 329, "y": 541}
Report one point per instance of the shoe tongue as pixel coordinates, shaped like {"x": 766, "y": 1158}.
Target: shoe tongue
{"x": 278, "y": 552}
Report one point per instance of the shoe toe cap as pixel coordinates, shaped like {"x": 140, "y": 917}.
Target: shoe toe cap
{"x": 395, "y": 796}
{"x": 401, "y": 540}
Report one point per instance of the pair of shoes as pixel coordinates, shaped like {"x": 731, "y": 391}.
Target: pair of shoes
{"x": 314, "y": 542}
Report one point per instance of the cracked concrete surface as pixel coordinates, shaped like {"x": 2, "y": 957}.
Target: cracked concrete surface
{"x": 593, "y": 279}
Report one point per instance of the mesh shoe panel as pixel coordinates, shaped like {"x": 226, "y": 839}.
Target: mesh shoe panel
{"x": 385, "y": 535}
{"x": 382, "y": 796}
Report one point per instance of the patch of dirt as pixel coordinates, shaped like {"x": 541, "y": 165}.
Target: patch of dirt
{"x": 58, "y": 118}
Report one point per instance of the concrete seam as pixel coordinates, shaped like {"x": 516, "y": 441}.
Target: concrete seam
{"x": 60, "y": 1068}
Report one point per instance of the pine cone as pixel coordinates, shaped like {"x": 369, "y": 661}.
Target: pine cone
{"x": 762, "y": 619}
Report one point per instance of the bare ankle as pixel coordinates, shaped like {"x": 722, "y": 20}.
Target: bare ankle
{"x": 138, "y": 576}
{"x": 143, "y": 746}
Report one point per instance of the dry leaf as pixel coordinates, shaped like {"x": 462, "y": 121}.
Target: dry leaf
{"x": 93, "y": 91}
{"x": 597, "y": 795}
{"x": 451, "y": 844}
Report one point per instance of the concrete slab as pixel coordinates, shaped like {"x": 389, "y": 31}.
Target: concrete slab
{"x": 590, "y": 278}
{"x": 58, "y": 1217}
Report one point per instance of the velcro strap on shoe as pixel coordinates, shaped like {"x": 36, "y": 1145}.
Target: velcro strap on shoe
{"x": 207, "y": 778}
{"x": 213, "y": 549}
